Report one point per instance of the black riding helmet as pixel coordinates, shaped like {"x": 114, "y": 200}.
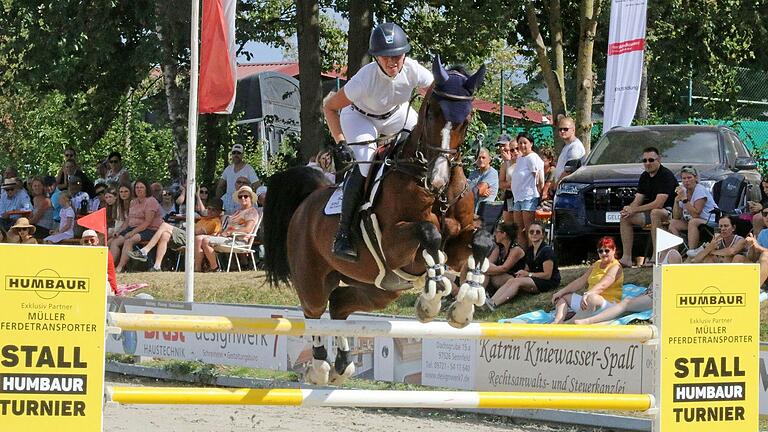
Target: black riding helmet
{"x": 388, "y": 40}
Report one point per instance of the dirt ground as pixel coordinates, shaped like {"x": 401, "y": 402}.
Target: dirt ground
{"x": 227, "y": 418}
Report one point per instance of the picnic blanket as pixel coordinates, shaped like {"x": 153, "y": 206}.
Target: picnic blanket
{"x": 629, "y": 290}
{"x": 543, "y": 317}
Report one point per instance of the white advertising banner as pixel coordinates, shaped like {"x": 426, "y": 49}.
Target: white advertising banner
{"x": 564, "y": 366}
{"x": 763, "y": 379}
{"x": 626, "y": 45}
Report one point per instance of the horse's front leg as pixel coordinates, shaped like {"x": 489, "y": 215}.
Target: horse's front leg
{"x": 318, "y": 372}
{"x": 437, "y": 285}
{"x": 472, "y": 293}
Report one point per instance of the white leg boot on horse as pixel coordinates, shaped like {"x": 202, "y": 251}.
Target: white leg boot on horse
{"x": 471, "y": 294}
{"x": 343, "y": 245}
{"x": 318, "y": 372}
{"x": 343, "y": 367}
{"x": 437, "y": 286}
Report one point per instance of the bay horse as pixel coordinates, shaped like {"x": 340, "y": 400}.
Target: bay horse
{"x": 425, "y": 213}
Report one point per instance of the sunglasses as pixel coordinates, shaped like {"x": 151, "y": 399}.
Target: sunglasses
{"x": 243, "y": 196}
{"x": 603, "y": 251}
{"x": 563, "y": 129}
{"x": 114, "y": 160}
{"x": 237, "y": 153}
{"x": 69, "y": 155}
{"x": 100, "y": 192}
{"x": 649, "y": 160}
{"x": 534, "y": 231}
{"x": 765, "y": 213}
{"x": 203, "y": 191}
{"x": 23, "y": 229}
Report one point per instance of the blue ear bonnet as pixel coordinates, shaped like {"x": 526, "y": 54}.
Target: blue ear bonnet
{"x": 455, "y": 111}
{"x": 454, "y": 83}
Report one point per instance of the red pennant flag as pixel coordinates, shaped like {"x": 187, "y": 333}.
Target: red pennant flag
{"x": 96, "y": 221}
{"x": 218, "y": 66}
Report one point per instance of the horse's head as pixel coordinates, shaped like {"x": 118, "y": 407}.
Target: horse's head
{"x": 446, "y": 112}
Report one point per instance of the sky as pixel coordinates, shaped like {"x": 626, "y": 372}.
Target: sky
{"x": 262, "y": 53}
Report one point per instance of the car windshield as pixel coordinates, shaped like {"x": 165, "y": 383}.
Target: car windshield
{"x": 677, "y": 145}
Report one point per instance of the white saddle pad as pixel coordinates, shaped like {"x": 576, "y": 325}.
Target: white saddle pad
{"x": 333, "y": 206}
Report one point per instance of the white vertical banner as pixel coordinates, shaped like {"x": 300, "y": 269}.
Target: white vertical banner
{"x": 626, "y": 45}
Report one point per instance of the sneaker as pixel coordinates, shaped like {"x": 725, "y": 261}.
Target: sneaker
{"x": 693, "y": 252}
{"x": 138, "y": 255}
{"x": 152, "y": 269}
{"x": 489, "y": 304}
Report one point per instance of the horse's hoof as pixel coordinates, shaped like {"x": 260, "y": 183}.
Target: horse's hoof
{"x": 318, "y": 372}
{"x": 427, "y": 310}
{"x": 337, "y": 379}
{"x": 460, "y": 314}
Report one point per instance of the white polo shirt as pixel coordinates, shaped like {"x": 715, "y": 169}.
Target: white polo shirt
{"x": 374, "y": 92}
{"x": 571, "y": 151}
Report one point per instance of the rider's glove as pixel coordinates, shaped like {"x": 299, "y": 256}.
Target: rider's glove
{"x": 343, "y": 152}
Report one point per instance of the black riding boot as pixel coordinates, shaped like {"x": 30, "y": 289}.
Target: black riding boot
{"x": 343, "y": 247}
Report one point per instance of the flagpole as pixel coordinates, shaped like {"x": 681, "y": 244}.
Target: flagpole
{"x": 189, "y": 252}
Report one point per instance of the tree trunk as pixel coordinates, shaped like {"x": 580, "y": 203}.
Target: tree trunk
{"x": 360, "y": 24}
{"x": 176, "y": 99}
{"x": 308, "y": 29}
{"x": 642, "y": 101}
{"x": 555, "y": 90}
{"x": 211, "y": 141}
{"x": 585, "y": 79}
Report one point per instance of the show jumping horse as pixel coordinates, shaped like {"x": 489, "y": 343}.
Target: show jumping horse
{"x": 425, "y": 216}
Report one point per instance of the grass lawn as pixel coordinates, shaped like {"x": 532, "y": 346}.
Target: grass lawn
{"x": 251, "y": 288}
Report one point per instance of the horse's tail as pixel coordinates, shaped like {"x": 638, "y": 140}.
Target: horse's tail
{"x": 287, "y": 189}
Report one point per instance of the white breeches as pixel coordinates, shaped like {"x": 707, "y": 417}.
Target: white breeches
{"x": 360, "y": 128}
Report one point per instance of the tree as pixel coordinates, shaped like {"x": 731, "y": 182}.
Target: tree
{"x": 308, "y": 29}
{"x": 360, "y": 16}
{"x": 552, "y": 59}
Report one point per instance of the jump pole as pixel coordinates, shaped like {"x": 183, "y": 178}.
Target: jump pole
{"x": 379, "y": 398}
{"x": 360, "y": 328}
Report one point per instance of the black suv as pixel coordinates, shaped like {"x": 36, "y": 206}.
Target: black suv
{"x": 587, "y": 202}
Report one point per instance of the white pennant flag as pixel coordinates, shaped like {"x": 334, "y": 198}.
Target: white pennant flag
{"x": 665, "y": 240}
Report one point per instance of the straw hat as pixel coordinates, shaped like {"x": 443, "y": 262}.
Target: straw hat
{"x": 244, "y": 189}
{"x": 9, "y": 183}
{"x": 24, "y": 223}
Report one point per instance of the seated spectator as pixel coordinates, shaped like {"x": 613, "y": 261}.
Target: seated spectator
{"x": 757, "y": 252}
{"x": 323, "y": 162}
{"x": 653, "y": 202}
{"x": 759, "y": 209}
{"x": 21, "y": 232}
{"x": 80, "y": 199}
{"x": 156, "y": 190}
{"x": 527, "y": 182}
{"x": 239, "y": 182}
{"x": 484, "y": 181}
{"x": 66, "y": 220}
{"x": 632, "y": 304}
{"x": 550, "y": 182}
{"x": 603, "y": 281}
{"x": 143, "y": 220}
{"x": 208, "y": 225}
{"x": 693, "y": 205}
{"x": 102, "y": 168}
{"x": 506, "y": 258}
{"x": 540, "y": 274}
{"x": 98, "y": 201}
{"x": 243, "y": 221}
{"x": 725, "y": 247}
{"x": 42, "y": 210}
{"x": 13, "y": 201}
{"x": 261, "y": 195}
{"x": 117, "y": 174}
{"x": 70, "y": 167}
{"x": 167, "y": 204}
{"x": 124, "y": 198}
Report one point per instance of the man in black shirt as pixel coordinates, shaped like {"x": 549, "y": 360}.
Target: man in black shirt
{"x": 652, "y": 204}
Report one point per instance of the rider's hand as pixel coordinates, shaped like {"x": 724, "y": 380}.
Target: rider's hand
{"x": 343, "y": 152}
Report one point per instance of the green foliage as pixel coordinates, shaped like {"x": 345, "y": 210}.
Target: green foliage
{"x": 205, "y": 373}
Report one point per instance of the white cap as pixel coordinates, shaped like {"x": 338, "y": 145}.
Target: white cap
{"x": 237, "y": 148}
{"x": 89, "y": 233}
{"x": 261, "y": 190}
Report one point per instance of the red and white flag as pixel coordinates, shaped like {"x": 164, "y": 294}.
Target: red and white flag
{"x": 626, "y": 45}
{"x": 216, "y": 92}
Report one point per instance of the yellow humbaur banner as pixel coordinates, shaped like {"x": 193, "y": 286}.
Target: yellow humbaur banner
{"x": 52, "y": 337}
{"x": 709, "y": 348}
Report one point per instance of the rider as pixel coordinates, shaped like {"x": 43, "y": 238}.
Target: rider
{"x": 375, "y": 101}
